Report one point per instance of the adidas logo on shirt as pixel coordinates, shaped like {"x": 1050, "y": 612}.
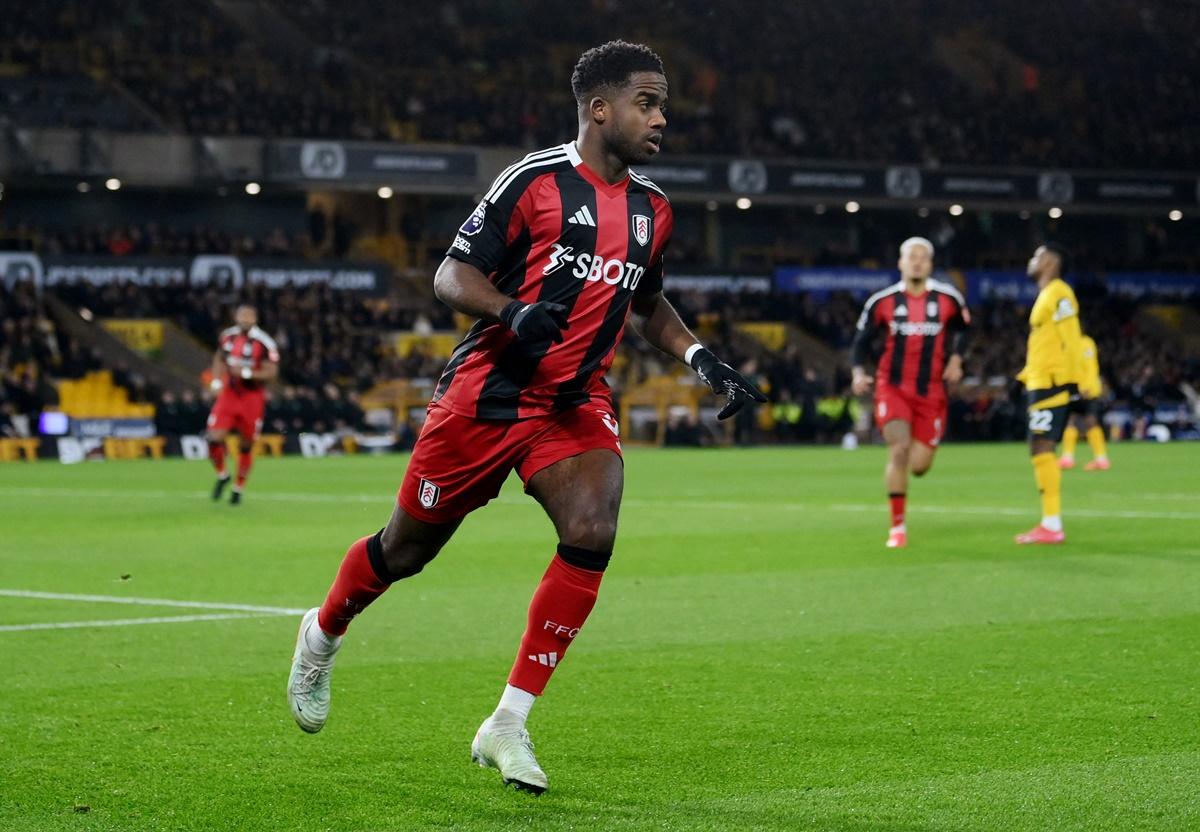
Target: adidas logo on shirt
{"x": 542, "y": 658}
{"x": 583, "y": 217}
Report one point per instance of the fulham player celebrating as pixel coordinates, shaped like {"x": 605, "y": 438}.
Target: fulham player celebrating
{"x": 562, "y": 247}
{"x": 918, "y": 314}
{"x": 245, "y": 362}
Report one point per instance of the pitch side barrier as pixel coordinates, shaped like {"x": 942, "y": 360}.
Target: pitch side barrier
{"x": 202, "y": 270}
{"x": 126, "y": 442}
{"x": 981, "y": 285}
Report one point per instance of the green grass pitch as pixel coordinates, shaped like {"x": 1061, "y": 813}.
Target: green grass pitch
{"x": 757, "y": 660}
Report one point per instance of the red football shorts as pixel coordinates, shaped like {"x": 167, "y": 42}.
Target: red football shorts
{"x": 238, "y": 411}
{"x": 459, "y": 463}
{"x": 926, "y": 416}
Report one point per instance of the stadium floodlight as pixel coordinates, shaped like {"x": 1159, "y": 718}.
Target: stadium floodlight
{"x": 1175, "y": 215}
{"x": 113, "y": 184}
{"x": 852, "y": 207}
{"x": 385, "y": 192}
{"x": 253, "y": 188}
{"x": 743, "y": 202}
{"x": 956, "y": 210}
{"x": 1055, "y": 212}
{"x": 83, "y": 187}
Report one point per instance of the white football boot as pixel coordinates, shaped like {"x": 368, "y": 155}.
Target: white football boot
{"x": 308, "y": 684}
{"x": 503, "y": 743}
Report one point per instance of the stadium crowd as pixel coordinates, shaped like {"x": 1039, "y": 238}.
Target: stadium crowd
{"x": 992, "y": 84}
{"x": 337, "y": 345}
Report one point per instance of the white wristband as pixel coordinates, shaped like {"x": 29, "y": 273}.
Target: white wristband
{"x": 691, "y": 352}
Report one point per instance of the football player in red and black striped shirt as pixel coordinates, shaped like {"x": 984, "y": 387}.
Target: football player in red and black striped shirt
{"x": 564, "y": 245}
{"x": 246, "y": 361}
{"x": 919, "y": 315}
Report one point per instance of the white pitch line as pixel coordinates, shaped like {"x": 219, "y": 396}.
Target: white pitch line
{"x": 123, "y": 622}
{"x": 386, "y": 498}
{"x": 148, "y": 602}
{"x": 1032, "y": 511}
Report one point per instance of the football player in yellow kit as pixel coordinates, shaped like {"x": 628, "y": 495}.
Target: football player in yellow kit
{"x": 1051, "y": 377}
{"x": 1087, "y": 411}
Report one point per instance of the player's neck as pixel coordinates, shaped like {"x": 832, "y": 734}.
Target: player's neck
{"x": 1046, "y": 279}
{"x": 602, "y": 162}
{"x": 916, "y": 286}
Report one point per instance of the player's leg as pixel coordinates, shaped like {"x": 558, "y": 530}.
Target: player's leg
{"x": 371, "y": 565}
{"x": 897, "y": 433}
{"x": 1048, "y": 411}
{"x": 920, "y": 458}
{"x": 928, "y": 428}
{"x": 1095, "y": 438}
{"x": 893, "y": 416}
{"x": 249, "y": 425}
{"x": 220, "y": 421}
{"x": 458, "y": 465}
{"x": 1070, "y": 440}
{"x": 582, "y": 495}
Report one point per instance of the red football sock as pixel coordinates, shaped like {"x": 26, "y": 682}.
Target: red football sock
{"x": 216, "y": 452}
{"x": 356, "y": 586}
{"x": 245, "y": 460}
{"x": 559, "y": 607}
{"x": 897, "y": 501}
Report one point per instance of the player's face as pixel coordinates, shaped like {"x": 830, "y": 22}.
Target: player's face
{"x": 916, "y": 263}
{"x": 246, "y": 318}
{"x": 634, "y": 134}
{"x": 1039, "y": 262}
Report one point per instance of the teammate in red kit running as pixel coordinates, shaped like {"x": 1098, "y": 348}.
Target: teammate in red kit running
{"x": 910, "y": 394}
{"x": 564, "y": 244}
{"x": 246, "y": 361}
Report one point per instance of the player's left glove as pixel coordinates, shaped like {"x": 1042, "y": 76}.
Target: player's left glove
{"x": 724, "y": 380}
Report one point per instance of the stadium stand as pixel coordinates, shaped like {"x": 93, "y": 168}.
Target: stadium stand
{"x": 991, "y": 83}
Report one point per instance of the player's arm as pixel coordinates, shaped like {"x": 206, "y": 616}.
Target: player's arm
{"x": 960, "y": 333}
{"x": 860, "y": 349}
{"x": 267, "y": 373}
{"x": 466, "y": 289}
{"x": 658, "y": 322}
{"x": 478, "y": 249}
{"x": 218, "y": 372}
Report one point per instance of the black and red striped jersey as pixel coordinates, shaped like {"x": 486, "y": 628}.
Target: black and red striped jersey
{"x": 245, "y": 349}
{"x": 916, "y": 328}
{"x": 550, "y": 229}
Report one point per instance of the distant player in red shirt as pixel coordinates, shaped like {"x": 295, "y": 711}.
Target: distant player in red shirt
{"x": 245, "y": 362}
{"x": 919, "y": 315}
{"x": 564, "y": 244}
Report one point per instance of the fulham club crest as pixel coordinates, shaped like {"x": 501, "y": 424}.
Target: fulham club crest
{"x": 428, "y": 493}
{"x": 641, "y": 229}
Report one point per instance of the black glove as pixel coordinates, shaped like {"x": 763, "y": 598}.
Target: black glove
{"x": 723, "y": 379}
{"x": 536, "y": 321}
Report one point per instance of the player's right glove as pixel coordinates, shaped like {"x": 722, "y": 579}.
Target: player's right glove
{"x": 536, "y": 321}
{"x": 724, "y": 380}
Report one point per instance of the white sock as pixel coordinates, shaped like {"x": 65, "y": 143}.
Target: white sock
{"x": 320, "y": 642}
{"x": 520, "y": 702}
{"x": 900, "y": 528}
{"x": 1053, "y": 522}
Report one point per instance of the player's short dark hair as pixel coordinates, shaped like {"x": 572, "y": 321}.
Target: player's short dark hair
{"x": 1064, "y": 256}
{"x": 609, "y": 66}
